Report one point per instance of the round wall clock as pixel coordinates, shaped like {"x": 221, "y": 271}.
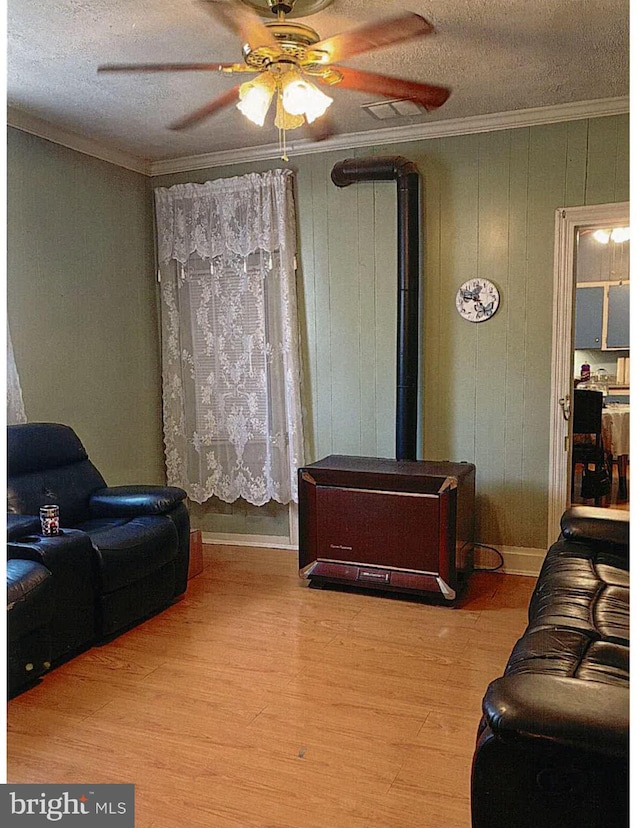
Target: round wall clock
{"x": 477, "y": 300}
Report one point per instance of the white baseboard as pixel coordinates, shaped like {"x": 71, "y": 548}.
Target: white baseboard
{"x": 261, "y": 541}
{"x": 518, "y": 560}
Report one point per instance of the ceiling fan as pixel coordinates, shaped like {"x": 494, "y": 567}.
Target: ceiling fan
{"x": 289, "y": 58}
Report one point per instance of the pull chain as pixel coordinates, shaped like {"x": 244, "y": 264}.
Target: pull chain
{"x": 282, "y": 139}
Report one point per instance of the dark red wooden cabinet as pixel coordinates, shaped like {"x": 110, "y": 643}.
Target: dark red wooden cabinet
{"x": 398, "y": 525}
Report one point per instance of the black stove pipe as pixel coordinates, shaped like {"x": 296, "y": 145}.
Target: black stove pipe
{"x": 407, "y": 178}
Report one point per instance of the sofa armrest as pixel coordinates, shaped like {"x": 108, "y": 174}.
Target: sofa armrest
{"x": 130, "y": 501}
{"x": 20, "y": 525}
{"x": 70, "y": 548}
{"x": 71, "y": 559}
{"x": 587, "y": 715}
{"x": 587, "y": 523}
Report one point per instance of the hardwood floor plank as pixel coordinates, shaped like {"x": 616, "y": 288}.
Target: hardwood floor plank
{"x": 256, "y": 702}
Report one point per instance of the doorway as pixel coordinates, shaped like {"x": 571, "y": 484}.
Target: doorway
{"x": 591, "y": 295}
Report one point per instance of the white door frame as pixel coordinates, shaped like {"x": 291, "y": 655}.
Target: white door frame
{"x": 568, "y": 219}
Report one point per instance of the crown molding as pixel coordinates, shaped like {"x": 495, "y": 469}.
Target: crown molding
{"x": 389, "y": 135}
{"x": 398, "y": 135}
{"x": 72, "y": 140}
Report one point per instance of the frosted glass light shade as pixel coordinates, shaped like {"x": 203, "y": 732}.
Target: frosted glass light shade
{"x": 299, "y": 97}
{"x": 255, "y": 98}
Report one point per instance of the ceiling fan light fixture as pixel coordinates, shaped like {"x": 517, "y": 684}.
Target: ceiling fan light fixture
{"x": 255, "y": 97}
{"x": 282, "y": 54}
{"x": 285, "y": 120}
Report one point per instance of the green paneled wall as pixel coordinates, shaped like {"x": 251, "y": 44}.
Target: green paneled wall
{"x": 489, "y": 209}
{"x": 81, "y": 303}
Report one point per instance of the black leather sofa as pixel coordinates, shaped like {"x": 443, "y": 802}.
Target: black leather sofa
{"x": 30, "y": 602}
{"x": 553, "y": 743}
{"x": 122, "y": 553}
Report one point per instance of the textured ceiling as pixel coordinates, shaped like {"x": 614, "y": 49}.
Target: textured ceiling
{"x": 494, "y": 55}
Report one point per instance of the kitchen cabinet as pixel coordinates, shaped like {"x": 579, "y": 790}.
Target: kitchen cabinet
{"x": 589, "y": 310}
{"x": 618, "y": 334}
{"x": 602, "y": 317}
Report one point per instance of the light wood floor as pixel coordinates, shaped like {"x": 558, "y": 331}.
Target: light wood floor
{"x": 256, "y": 702}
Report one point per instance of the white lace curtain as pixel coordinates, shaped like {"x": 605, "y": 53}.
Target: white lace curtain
{"x": 15, "y": 405}
{"x": 231, "y": 365}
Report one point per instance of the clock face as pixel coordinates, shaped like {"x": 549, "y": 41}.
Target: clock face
{"x": 477, "y": 300}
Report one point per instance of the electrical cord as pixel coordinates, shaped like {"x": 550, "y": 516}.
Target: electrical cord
{"x": 489, "y": 568}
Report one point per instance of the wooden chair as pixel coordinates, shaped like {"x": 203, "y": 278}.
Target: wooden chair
{"x": 587, "y": 445}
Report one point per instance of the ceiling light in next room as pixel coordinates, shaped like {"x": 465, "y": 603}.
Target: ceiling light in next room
{"x": 618, "y": 235}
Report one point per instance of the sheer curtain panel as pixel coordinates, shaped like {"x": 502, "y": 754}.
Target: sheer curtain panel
{"x": 15, "y": 405}
{"x": 230, "y": 343}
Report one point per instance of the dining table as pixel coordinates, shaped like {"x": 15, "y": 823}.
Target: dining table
{"x": 616, "y": 418}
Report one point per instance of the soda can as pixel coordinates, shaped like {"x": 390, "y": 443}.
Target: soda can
{"x": 50, "y": 519}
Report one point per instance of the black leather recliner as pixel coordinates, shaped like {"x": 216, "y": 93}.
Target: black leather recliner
{"x": 123, "y": 551}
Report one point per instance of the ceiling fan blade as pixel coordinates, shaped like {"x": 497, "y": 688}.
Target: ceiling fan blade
{"x": 172, "y": 67}
{"x": 320, "y": 129}
{"x": 430, "y": 97}
{"x": 374, "y": 36}
{"x": 229, "y": 97}
{"x": 242, "y": 21}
